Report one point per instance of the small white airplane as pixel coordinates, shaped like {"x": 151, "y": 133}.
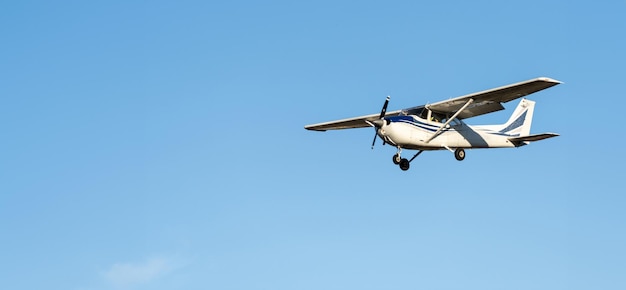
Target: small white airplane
{"x": 440, "y": 125}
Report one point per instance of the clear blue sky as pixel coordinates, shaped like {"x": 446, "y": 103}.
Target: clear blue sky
{"x": 160, "y": 145}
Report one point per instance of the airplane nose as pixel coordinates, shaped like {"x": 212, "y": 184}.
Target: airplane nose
{"x": 379, "y": 123}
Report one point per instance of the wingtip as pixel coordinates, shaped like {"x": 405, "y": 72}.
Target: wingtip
{"x": 550, "y": 80}
{"x": 311, "y": 128}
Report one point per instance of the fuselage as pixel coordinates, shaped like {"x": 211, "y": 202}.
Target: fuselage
{"x": 439, "y": 125}
{"x": 413, "y": 132}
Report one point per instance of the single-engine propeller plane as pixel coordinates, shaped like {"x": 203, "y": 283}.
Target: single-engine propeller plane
{"x": 440, "y": 125}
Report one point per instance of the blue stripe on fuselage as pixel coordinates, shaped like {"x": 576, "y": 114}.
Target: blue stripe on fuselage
{"x": 412, "y": 121}
{"x": 433, "y": 128}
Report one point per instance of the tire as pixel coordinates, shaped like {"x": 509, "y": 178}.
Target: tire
{"x": 396, "y": 159}
{"x": 459, "y": 154}
{"x": 404, "y": 164}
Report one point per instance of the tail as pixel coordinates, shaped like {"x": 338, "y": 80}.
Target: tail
{"x": 521, "y": 119}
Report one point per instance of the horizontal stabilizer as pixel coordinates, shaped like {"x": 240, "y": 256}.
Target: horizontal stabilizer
{"x": 530, "y": 138}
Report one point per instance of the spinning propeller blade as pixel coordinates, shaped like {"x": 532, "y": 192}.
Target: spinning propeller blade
{"x": 384, "y": 110}
{"x": 378, "y": 124}
{"x": 374, "y": 141}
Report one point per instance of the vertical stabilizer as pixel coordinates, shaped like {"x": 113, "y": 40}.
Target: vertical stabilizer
{"x": 519, "y": 123}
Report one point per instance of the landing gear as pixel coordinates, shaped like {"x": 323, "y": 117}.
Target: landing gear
{"x": 403, "y": 162}
{"x": 459, "y": 154}
{"x": 396, "y": 159}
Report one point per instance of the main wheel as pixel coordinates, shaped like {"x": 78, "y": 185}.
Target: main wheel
{"x": 459, "y": 154}
{"x": 396, "y": 159}
{"x": 404, "y": 164}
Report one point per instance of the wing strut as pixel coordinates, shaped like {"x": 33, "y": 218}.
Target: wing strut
{"x": 450, "y": 120}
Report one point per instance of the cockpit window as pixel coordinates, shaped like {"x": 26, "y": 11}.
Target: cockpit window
{"x": 422, "y": 112}
{"x": 443, "y": 118}
{"x": 417, "y": 111}
{"x": 436, "y": 117}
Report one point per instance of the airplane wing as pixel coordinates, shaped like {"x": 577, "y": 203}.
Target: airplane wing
{"x": 350, "y": 123}
{"x": 482, "y": 103}
{"x": 491, "y": 100}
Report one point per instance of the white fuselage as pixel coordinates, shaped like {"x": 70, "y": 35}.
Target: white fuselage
{"x": 412, "y": 132}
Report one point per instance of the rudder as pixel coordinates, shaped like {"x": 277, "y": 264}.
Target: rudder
{"x": 520, "y": 121}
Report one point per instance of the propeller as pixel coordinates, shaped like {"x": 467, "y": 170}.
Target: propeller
{"x": 377, "y": 124}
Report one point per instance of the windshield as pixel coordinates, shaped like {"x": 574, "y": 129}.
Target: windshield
{"x": 417, "y": 111}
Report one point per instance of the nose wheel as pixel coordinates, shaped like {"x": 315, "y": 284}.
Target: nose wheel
{"x": 403, "y": 162}
{"x": 396, "y": 159}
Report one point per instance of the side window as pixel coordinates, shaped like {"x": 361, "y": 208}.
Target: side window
{"x": 421, "y": 113}
{"x": 436, "y": 117}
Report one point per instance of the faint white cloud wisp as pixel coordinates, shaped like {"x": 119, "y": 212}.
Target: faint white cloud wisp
{"x": 129, "y": 274}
